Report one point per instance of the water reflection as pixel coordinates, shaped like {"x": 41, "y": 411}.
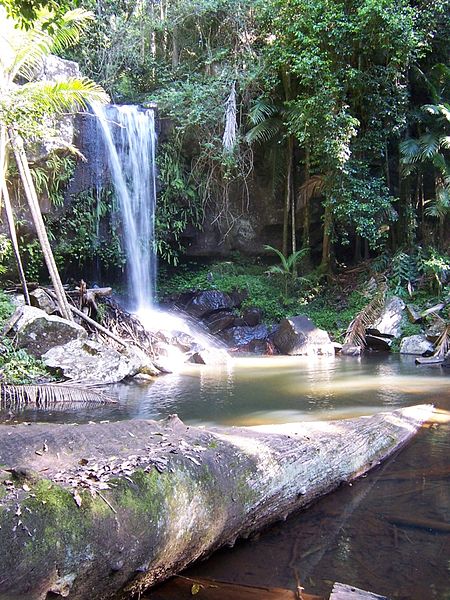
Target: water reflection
{"x": 251, "y": 391}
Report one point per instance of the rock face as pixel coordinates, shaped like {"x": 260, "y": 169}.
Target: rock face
{"x": 93, "y": 362}
{"x": 416, "y": 344}
{"x": 37, "y": 332}
{"x": 299, "y": 335}
{"x": 54, "y": 69}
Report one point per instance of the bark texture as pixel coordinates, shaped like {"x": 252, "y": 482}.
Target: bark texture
{"x": 105, "y": 510}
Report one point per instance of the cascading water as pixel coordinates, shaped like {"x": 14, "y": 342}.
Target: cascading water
{"x": 130, "y": 139}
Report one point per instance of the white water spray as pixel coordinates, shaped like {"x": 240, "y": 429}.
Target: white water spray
{"x": 129, "y": 136}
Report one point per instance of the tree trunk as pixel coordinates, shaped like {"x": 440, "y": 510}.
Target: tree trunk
{"x": 288, "y": 194}
{"x": 10, "y": 215}
{"x": 326, "y": 240}
{"x": 98, "y": 508}
{"x": 33, "y": 203}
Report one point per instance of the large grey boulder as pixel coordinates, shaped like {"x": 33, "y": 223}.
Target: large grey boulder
{"x": 93, "y": 362}
{"x": 37, "y": 332}
{"x": 416, "y": 344}
{"x": 298, "y": 335}
{"x": 390, "y": 321}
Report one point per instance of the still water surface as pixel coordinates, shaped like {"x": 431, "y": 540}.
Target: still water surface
{"x": 388, "y": 532}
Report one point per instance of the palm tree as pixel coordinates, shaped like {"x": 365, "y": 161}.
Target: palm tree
{"x": 288, "y": 265}
{"x": 429, "y": 150}
{"x": 25, "y": 110}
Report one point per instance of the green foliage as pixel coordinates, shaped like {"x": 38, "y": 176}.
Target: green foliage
{"x": 6, "y": 308}
{"x": 287, "y": 268}
{"x": 89, "y": 232}
{"x": 52, "y": 176}
{"x": 5, "y": 253}
{"x": 178, "y": 205}
{"x": 18, "y": 367}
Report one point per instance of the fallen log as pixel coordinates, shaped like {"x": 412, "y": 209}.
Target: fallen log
{"x": 108, "y": 510}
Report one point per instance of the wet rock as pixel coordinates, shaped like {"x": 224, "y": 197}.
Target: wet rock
{"x": 389, "y": 322}
{"x": 435, "y": 330}
{"x": 416, "y": 344}
{"x": 210, "y": 356}
{"x": 298, "y": 335}
{"x": 37, "y": 332}
{"x": 219, "y": 321}
{"x": 245, "y": 337}
{"x": 206, "y": 302}
{"x": 351, "y": 350}
{"x": 92, "y": 362}
{"x": 252, "y": 316}
{"x": 40, "y": 299}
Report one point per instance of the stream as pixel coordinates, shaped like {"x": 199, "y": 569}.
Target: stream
{"x": 388, "y": 532}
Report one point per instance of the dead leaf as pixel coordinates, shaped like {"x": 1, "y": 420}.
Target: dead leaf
{"x": 77, "y": 498}
{"x": 195, "y": 588}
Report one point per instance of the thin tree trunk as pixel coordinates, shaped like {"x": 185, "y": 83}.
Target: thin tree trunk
{"x": 288, "y": 194}
{"x": 33, "y": 203}
{"x": 326, "y": 243}
{"x": 306, "y": 241}
{"x": 10, "y": 215}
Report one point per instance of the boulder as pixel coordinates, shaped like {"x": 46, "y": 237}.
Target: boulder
{"x": 210, "y": 356}
{"x": 299, "y": 335}
{"x": 37, "y": 332}
{"x": 434, "y": 331}
{"x": 219, "y": 321}
{"x": 416, "y": 344}
{"x": 206, "y": 302}
{"x": 389, "y": 322}
{"x": 93, "y": 362}
{"x": 252, "y": 316}
{"x": 40, "y": 299}
{"x": 251, "y": 339}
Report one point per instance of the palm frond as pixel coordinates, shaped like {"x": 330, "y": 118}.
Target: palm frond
{"x": 444, "y": 141}
{"x": 293, "y": 258}
{"x": 410, "y": 151}
{"x": 46, "y": 395}
{"x": 280, "y": 255}
{"x": 70, "y": 27}
{"x": 264, "y": 131}
{"x": 261, "y": 110}
{"x": 314, "y": 186}
{"x": 429, "y": 145}
{"x": 22, "y": 50}
{"x": 442, "y": 344}
{"x": 62, "y": 96}
{"x": 356, "y": 331}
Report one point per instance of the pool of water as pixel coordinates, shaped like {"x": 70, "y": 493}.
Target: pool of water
{"x": 257, "y": 390}
{"x": 388, "y": 532}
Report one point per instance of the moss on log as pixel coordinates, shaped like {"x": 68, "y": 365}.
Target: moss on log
{"x": 107, "y": 510}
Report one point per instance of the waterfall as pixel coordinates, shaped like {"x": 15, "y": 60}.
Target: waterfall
{"x": 129, "y": 137}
